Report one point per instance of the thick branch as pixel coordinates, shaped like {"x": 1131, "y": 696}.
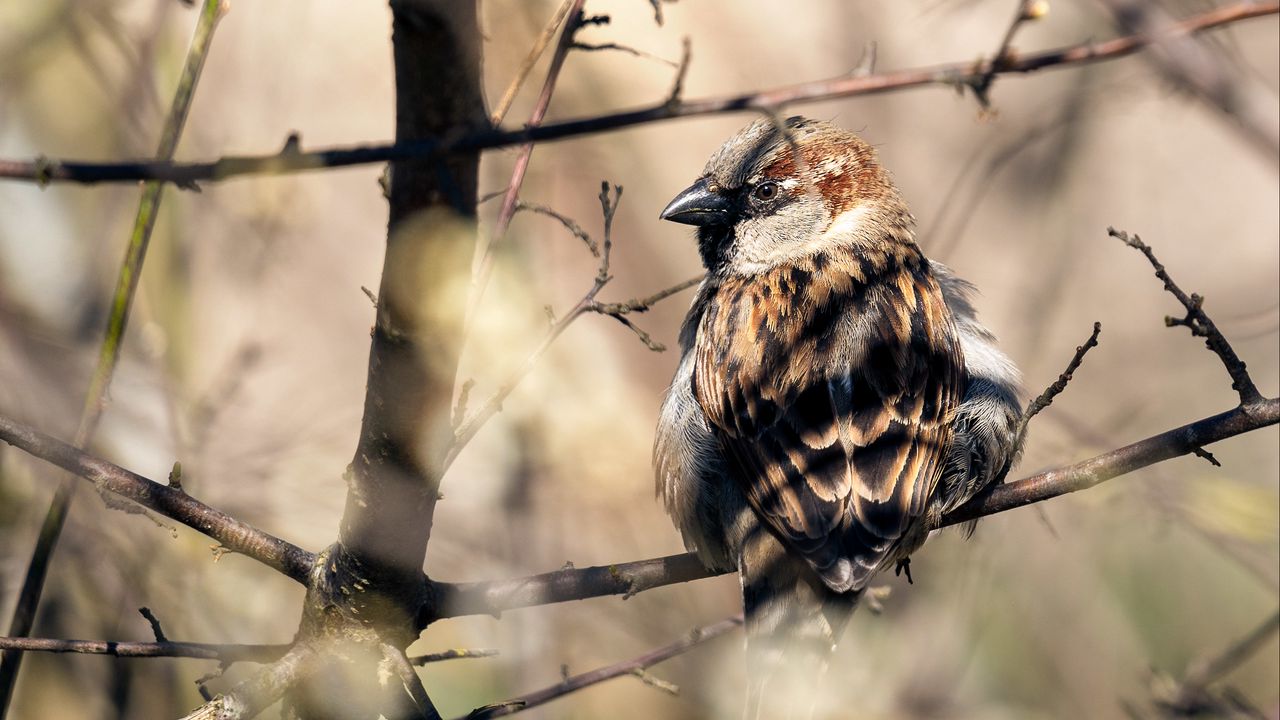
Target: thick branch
{"x": 44, "y": 170}
{"x": 233, "y": 534}
{"x": 491, "y": 598}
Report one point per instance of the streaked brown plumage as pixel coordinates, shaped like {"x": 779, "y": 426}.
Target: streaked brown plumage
{"x": 822, "y": 414}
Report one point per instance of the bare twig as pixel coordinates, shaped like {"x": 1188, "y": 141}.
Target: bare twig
{"x": 96, "y": 396}
{"x": 634, "y": 666}
{"x": 483, "y": 265}
{"x": 451, "y": 655}
{"x": 535, "y": 52}
{"x": 1028, "y": 10}
{"x": 1046, "y": 398}
{"x": 593, "y": 47}
{"x": 569, "y": 223}
{"x": 45, "y": 170}
{"x": 619, "y": 311}
{"x": 154, "y": 621}
{"x": 1198, "y": 322}
{"x": 646, "y": 303}
{"x": 234, "y": 534}
{"x": 469, "y": 427}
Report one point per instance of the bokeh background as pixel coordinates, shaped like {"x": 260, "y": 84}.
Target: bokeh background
{"x": 245, "y": 359}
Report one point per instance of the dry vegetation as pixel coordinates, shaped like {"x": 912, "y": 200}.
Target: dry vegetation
{"x": 245, "y": 357}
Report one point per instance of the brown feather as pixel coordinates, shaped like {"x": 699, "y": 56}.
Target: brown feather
{"x": 838, "y": 440}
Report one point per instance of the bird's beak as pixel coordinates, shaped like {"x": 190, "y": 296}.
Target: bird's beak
{"x": 699, "y": 205}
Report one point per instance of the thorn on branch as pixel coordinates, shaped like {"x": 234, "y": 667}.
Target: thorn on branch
{"x": 369, "y": 294}
{"x": 867, "y": 63}
{"x": 1202, "y": 453}
{"x": 1200, "y": 324}
{"x": 154, "y": 621}
{"x": 1046, "y": 398}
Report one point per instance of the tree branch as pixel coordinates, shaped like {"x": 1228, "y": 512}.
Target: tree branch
{"x": 492, "y": 598}
{"x": 45, "y": 170}
{"x": 634, "y": 666}
{"x": 233, "y": 534}
{"x": 224, "y": 652}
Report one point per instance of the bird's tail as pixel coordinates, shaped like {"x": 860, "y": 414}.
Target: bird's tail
{"x": 793, "y": 622}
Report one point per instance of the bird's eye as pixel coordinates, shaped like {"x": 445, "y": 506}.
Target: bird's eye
{"x": 765, "y": 191}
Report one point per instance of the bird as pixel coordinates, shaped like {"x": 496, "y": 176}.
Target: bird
{"x": 835, "y": 395}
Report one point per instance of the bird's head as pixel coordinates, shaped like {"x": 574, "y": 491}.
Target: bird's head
{"x": 769, "y": 196}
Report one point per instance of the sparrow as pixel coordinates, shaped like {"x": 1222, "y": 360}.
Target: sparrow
{"x": 835, "y": 395}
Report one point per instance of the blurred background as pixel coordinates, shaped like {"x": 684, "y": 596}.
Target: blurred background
{"x": 246, "y": 353}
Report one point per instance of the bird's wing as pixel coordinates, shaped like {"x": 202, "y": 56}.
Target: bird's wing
{"x": 836, "y": 415}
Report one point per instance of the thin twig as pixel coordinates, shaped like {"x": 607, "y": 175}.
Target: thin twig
{"x": 535, "y": 52}
{"x": 45, "y": 170}
{"x": 569, "y": 223}
{"x": 233, "y": 534}
{"x": 1198, "y": 322}
{"x": 634, "y": 666}
{"x": 469, "y": 427}
{"x": 154, "y": 621}
{"x": 1046, "y": 398}
{"x": 595, "y": 47}
{"x": 1028, "y": 10}
{"x": 483, "y": 266}
{"x": 451, "y": 655}
{"x": 95, "y": 399}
